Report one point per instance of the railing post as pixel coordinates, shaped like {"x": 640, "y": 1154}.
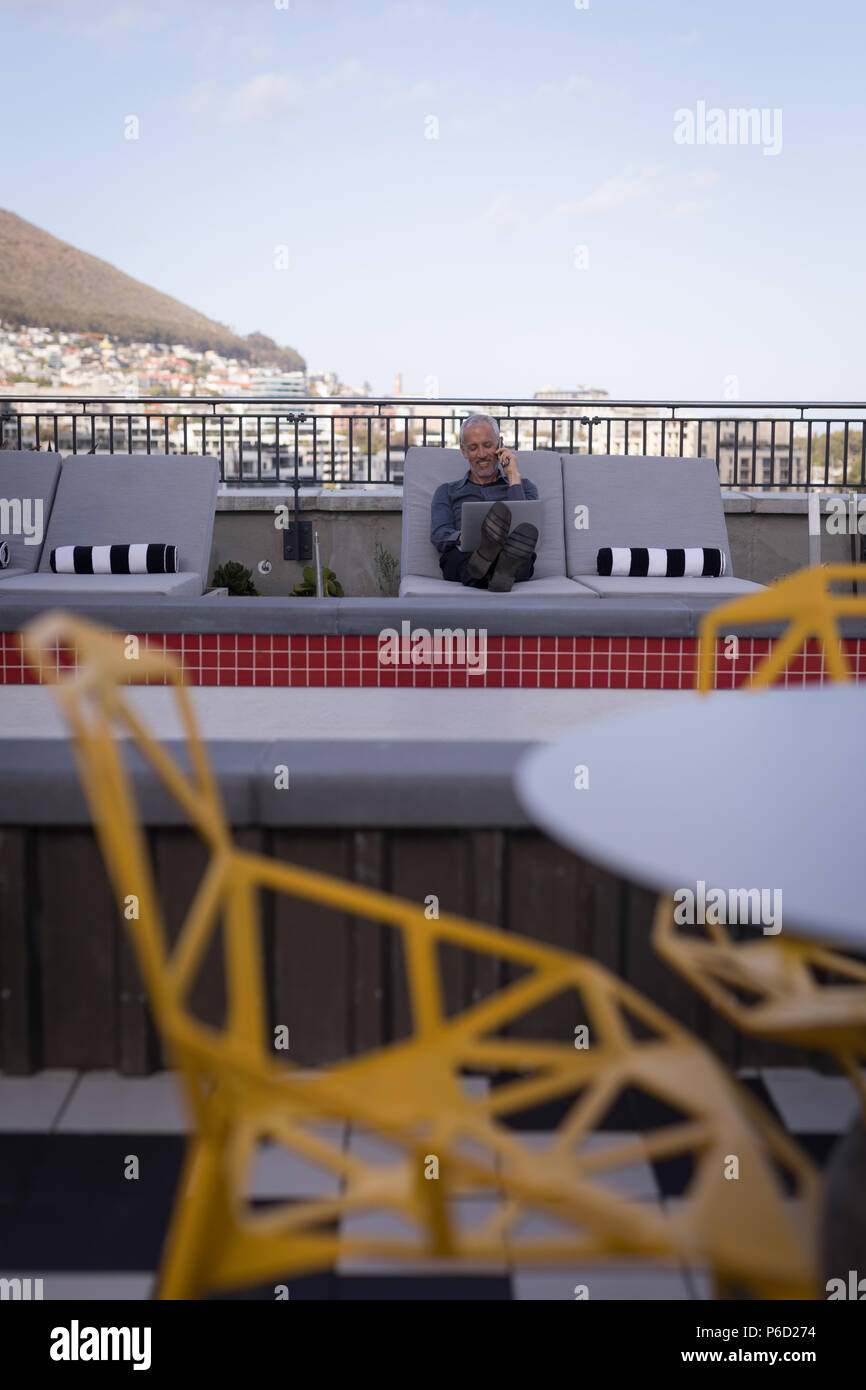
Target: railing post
{"x": 814, "y": 528}
{"x": 298, "y": 537}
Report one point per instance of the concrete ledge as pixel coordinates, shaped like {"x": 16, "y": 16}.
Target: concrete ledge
{"x": 792, "y": 503}
{"x": 354, "y": 616}
{"x": 380, "y": 497}
{"x": 523, "y": 617}
{"x": 387, "y": 783}
{"x": 736, "y": 502}
{"x": 39, "y": 783}
{"x": 377, "y": 498}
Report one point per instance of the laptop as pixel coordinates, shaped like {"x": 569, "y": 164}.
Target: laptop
{"x": 473, "y": 513}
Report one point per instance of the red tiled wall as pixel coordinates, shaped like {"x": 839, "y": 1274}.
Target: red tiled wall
{"x": 565, "y": 662}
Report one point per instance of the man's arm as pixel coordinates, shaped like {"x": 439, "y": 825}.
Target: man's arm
{"x": 443, "y": 528}
{"x": 525, "y": 489}
{"x": 519, "y": 489}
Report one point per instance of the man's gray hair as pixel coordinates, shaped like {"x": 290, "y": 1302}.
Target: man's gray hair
{"x": 479, "y": 420}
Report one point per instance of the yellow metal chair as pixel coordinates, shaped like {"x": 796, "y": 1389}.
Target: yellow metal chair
{"x": 241, "y": 1094}
{"x": 806, "y": 601}
{"x": 782, "y": 989}
{"x": 777, "y": 988}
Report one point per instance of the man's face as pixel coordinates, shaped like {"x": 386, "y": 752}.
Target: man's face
{"x": 480, "y": 447}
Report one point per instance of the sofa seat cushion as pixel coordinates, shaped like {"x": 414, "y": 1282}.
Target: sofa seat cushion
{"x": 189, "y": 585}
{"x": 622, "y": 586}
{"x": 556, "y": 586}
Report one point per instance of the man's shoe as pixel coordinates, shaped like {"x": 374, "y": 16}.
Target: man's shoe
{"x": 519, "y": 547}
{"x": 494, "y": 532}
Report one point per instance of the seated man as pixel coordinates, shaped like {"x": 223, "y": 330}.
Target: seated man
{"x": 501, "y": 559}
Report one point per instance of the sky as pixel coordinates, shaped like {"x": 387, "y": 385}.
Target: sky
{"x": 488, "y": 198}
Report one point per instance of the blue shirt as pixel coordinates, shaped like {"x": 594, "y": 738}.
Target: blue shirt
{"x": 448, "y": 502}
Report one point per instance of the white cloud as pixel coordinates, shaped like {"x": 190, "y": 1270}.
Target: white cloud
{"x": 630, "y": 186}
{"x": 411, "y": 11}
{"x": 702, "y": 178}
{"x": 266, "y": 96}
{"x": 352, "y": 70}
{"x": 688, "y": 207}
{"x": 125, "y": 17}
{"x": 269, "y": 94}
{"x": 500, "y": 213}
{"x": 550, "y": 91}
{"x": 424, "y": 90}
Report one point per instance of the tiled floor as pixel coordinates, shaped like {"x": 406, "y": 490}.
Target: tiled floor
{"x": 69, "y": 1216}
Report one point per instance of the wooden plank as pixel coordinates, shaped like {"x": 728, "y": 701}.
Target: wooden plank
{"x": 78, "y": 928}
{"x": 544, "y": 895}
{"x": 20, "y": 985}
{"x": 601, "y": 909}
{"x": 312, "y": 952}
{"x": 427, "y": 864}
{"x": 486, "y": 889}
{"x": 138, "y": 1049}
{"x": 757, "y": 1052}
{"x": 645, "y": 970}
{"x": 368, "y": 948}
{"x": 180, "y": 859}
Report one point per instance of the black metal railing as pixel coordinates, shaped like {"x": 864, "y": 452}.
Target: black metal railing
{"x": 362, "y": 441}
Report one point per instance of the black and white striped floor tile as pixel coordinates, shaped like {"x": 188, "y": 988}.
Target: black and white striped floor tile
{"x": 70, "y": 1217}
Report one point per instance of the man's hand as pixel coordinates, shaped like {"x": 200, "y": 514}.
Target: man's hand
{"x": 509, "y": 465}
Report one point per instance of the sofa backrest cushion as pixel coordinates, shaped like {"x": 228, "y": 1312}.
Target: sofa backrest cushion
{"x": 115, "y": 499}
{"x": 28, "y": 482}
{"x": 427, "y": 467}
{"x": 639, "y": 501}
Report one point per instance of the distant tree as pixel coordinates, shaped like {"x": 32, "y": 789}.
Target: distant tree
{"x": 837, "y": 456}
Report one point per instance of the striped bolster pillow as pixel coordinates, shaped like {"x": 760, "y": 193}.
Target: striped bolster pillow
{"x": 693, "y": 562}
{"x": 4, "y": 555}
{"x": 114, "y": 559}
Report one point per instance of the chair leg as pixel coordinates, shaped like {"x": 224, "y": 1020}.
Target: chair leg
{"x": 195, "y": 1223}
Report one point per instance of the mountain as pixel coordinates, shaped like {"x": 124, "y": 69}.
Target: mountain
{"x": 50, "y": 284}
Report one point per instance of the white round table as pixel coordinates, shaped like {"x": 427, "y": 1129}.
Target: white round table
{"x": 736, "y": 789}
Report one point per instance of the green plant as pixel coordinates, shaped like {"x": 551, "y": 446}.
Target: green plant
{"x": 387, "y": 571}
{"x": 330, "y": 583}
{"x": 235, "y": 578}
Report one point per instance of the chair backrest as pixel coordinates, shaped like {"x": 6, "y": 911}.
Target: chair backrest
{"x": 639, "y": 501}
{"x": 28, "y": 482}
{"x": 120, "y": 499}
{"x": 427, "y": 467}
{"x": 94, "y": 700}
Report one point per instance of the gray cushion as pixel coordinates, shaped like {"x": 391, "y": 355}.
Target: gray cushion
{"x": 26, "y": 475}
{"x": 187, "y": 584}
{"x": 624, "y": 586}
{"x": 426, "y": 468}
{"x": 555, "y": 586}
{"x": 640, "y": 501}
{"x": 10, "y": 573}
{"x": 117, "y": 499}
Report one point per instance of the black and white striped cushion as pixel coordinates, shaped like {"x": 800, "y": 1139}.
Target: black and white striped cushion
{"x": 4, "y": 555}
{"x": 114, "y": 559}
{"x": 693, "y": 562}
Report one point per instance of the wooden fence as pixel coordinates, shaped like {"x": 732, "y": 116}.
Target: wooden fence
{"x": 71, "y": 996}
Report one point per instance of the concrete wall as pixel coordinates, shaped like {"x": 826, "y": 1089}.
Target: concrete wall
{"x": 768, "y": 532}
{"x": 769, "y": 536}
{"x": 349, "y": 528}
